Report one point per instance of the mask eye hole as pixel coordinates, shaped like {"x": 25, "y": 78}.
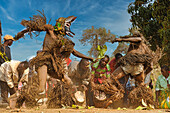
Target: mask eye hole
{"x": 67, "y": 24}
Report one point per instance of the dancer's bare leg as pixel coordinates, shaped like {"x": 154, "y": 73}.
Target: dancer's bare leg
{"x": 67, "y": 79}
{"x": 42, "y": 74}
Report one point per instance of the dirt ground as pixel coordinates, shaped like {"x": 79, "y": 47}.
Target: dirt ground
{"x": 93, "y": 110}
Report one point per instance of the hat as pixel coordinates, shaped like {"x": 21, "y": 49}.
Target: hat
{"x": 8, "y": 37}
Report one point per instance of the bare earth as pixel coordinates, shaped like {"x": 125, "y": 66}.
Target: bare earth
{"x": 93, "y": 110}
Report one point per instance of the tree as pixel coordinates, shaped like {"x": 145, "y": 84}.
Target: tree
{"x": 96, "y": 37}
{"x": 152, "y": 18}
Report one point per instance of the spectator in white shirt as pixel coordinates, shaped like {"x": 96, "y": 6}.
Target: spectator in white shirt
{"x": 11, "y": 73}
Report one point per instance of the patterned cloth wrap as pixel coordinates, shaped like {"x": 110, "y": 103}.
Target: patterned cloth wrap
{"x": 165, "y": 104}
{"x": 100, "y": 73}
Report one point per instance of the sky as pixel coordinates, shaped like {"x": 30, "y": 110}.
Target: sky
{"x": 111, "y": 14}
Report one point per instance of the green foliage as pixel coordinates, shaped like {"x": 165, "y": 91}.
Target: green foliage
{"x": 96, "y": 37}
{"x": 152, "y": 18}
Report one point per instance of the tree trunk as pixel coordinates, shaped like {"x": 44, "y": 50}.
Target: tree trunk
{"x": 97, "y": 43}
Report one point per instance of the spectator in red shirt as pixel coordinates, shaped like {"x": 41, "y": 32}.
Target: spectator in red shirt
{"x": 113, "y": 62}
{"x": 113, "y": 66}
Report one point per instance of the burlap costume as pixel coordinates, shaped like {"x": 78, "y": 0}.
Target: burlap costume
{"x": 54, "y": 57}
{"x": 56, "y": 46}
{"x": 134, "y": 63}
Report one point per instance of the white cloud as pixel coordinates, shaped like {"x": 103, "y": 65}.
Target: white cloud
{"x": 67, "y": 6}
{"x": 29, "y": 3}
{"x": 88, "y": 9}
{"x": 6, "y": 14}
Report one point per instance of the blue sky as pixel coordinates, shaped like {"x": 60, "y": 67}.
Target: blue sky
{"x": 111, "y": 14}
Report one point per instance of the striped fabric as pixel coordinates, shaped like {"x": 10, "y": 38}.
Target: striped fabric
{"x": 165, "y": 104}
